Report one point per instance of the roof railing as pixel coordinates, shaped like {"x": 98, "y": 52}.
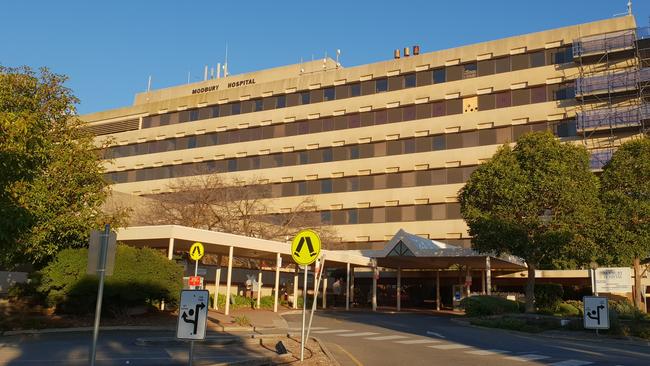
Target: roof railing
{"x": 603, "y": 43}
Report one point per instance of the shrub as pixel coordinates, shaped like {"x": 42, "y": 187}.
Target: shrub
{"x": 488, "y": 305}
{"x": 566, "y": 309}
{"x": 624, "y": 309}
{"x": 548, "y": 296}
{"x": 140, "y": 277}
{"x": 578, "y": 305}
{"x": 236, "y": 301}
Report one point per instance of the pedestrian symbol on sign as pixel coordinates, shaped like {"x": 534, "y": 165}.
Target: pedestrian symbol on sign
{"x": 305, "y": 247}
{"x": 197, "y": 251}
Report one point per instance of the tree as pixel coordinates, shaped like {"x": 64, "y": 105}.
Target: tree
{"x": 244, "y": 207}
{"x": 626, "y": 197}
{"x": 537, "y": 201}
{"x": 51, "y": 185}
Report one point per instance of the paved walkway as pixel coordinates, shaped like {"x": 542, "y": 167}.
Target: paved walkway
{"x": 257, "y": 318}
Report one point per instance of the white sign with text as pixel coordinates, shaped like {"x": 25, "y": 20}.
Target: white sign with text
{"x": 618, "y": 280}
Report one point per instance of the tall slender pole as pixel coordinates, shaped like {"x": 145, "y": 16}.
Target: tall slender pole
{"x": 317, "y": 278}
{"x": 304, "y": 313}
{"x": 100, "y": 291}
{"x": 399, "y": 288}
{"x": 228, "y": 280}
{"x": 278, "y": 264}
{"x": 347, "y": 287}
{"x": 259, "y": 288}
{"x": 438, "y": 290}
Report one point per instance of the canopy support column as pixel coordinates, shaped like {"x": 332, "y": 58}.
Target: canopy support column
{"x": 217, "y": 282}
{"x": 438, "y": 290}
{"x": 278, "y": 264}
{"x": 347, "y": 287}
{"x": 259, "y": 288}
{"x": 170, "y": 249}
{"x": 375, "y": 273}
{"x": 488, "y": 275}
{"x": 325, "y": 292}
{"x": 229, "y": 279}
{"x": 295, "y": 288}
{"x": 399, "y": 288}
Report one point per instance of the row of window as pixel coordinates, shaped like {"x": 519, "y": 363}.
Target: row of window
{"x": 340, "y": 153}
{"x": 375, "y": 215}
{"x": 502, "y": 99}
{"x": 384, "y": 84}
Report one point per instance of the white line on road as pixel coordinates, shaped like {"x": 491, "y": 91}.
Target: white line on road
{"x": 331, "y": 331}
{"x": 435, "y": 334}
{"x": 312, "y": 328}
{"x": 386, "y": 338}
{"x": 362, "y": 334}
{"x": 449, "y": 346}
{"x": 571, "y": 363}
{"x": 487, "y": 352}
{"x": 528, "y": 357}
{"x": 418, "y": 341}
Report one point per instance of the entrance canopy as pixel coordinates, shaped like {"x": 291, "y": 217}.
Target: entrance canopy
{"x": 180, "y": 238}
{"x": 408, "y": 251}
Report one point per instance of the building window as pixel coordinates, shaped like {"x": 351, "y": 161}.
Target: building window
{"x": 502, "y": 64}
{"x": 485, "y": 67}
{"x": 409, "y": 81}
{"x": 355, "y": 90}
{"x": 259, "y": 105}
{"x": 281, "y": 101}
{"x": 326, "y": 186}
{"x": 328, "y": 94}
{"x": 353, "y": 216}
{"x": 503, "y": 99}
{"x": 326, "y": 217}
{"x": 439, "y": 76}
{"x": 537, "y": 59}
{"x": 381, "y": 85}
{"x": 236, "y": 108}
{"x": 304, "y": 98}
{"x": 470, "y": 71}
{"x": 194, "y": 114}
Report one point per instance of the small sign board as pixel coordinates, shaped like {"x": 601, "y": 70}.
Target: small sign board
{"x": 192, "y": 314}
{"x": 305, "y": 247}
{"x": 614, "y": 280}
{"x": 596, "y": 312}
{"x": 197, "y": 251}
{"x": 95, "y": 249}
{"x": 194, "y": 281}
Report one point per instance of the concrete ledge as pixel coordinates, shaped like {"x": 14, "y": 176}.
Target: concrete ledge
{"x": 172, "y": 341}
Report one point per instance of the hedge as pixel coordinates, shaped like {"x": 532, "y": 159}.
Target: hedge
{"x": 488, "y": 305}
{"x": 141, "y": 277}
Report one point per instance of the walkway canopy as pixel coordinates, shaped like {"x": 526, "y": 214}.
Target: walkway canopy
{"x": 408, "y": 251}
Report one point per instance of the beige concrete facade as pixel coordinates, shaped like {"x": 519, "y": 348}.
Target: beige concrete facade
{"x": 325, "y": 73}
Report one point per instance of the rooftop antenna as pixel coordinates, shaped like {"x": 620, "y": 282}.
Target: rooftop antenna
{"x": 629, "y": 7}
{"x": 225, "y": 64}
{"x": 149, "y": 84}
{"x": 205, "y": 73}
{"x": 188, "y": 77}
{"x": 212, "y": 73}
{"x": 338, "y": 55}
{"x": 302, "y": 68}
{"x": 325, "y": 61}
{"x": 218, "y": 70}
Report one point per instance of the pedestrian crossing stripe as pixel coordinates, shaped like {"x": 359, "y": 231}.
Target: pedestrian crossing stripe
{"x": 305, "y": 247}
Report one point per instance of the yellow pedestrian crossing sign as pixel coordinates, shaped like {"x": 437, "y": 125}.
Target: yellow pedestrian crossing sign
{"x": 197, "y": 251}
{"x": 305, "y": 247}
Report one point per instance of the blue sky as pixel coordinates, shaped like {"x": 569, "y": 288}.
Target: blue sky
{"x": 109, "y": 48}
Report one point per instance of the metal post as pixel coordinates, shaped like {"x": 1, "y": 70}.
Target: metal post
{"x": 488, "y": 275}
{"x": 347, "y": 287}
{"x": 304, "y": 313}
{"x": 196, "y": 268}
{"x": 317, "y": 277}
{"x": 374, "y": 288}
{"x": 295, "y": 287}
{"x": 438, "y": 290}
{"x": 278, "y": 264}
{"x": 352, "y": 285}
{"x": 325, "y": 293}
{"x": 228, "y": 281}
{"x": 259, "y": 288}
{"x": 101, "y": 271}
{"x": 399, "y": 288}
{"x": 191, "y": 355}
{"x": 217, "y": 282}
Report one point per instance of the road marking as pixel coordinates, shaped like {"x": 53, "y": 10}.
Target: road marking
{"x": 571, "y": 363}
{"x": 418, "y": 341}
{"x": 354, "y": 359}
{"x": 312, "y": 328}
{"x": 528, "y": 357}
{"x": 487, "y": 352}
{"x": 386, "y": 338}
{"x": 357, "y": 334}
{"x": 435, "y": 334}
{"x": 331, "y": 331}
{"x": 450, "y": 346}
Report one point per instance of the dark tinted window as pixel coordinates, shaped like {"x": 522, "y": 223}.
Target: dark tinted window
{"x": 328, "y": 94}
{"x": 439, "y": 76}
{"x": 409, "y": 80}
{"x": 355, "y": 90}
{"x": 381, "y": 85}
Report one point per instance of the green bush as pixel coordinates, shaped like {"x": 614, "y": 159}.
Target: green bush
{"x": 566, "y": 309}
{"x": 141, "y": 277}
{"x": 488, "y": 305}
{"x": 576, "y": 304}
{"x": 625, "y": 309}
{"x": 548, "y": 296}
{"x": 236, "y": 301}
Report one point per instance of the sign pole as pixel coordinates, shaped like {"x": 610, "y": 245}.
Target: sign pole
{"x": 304, "y": 313}
{"x": 100, "y": 291}
{"x": 319, "y": 273}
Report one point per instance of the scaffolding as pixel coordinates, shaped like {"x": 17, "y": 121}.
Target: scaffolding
{"x": 612, "y": 89}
